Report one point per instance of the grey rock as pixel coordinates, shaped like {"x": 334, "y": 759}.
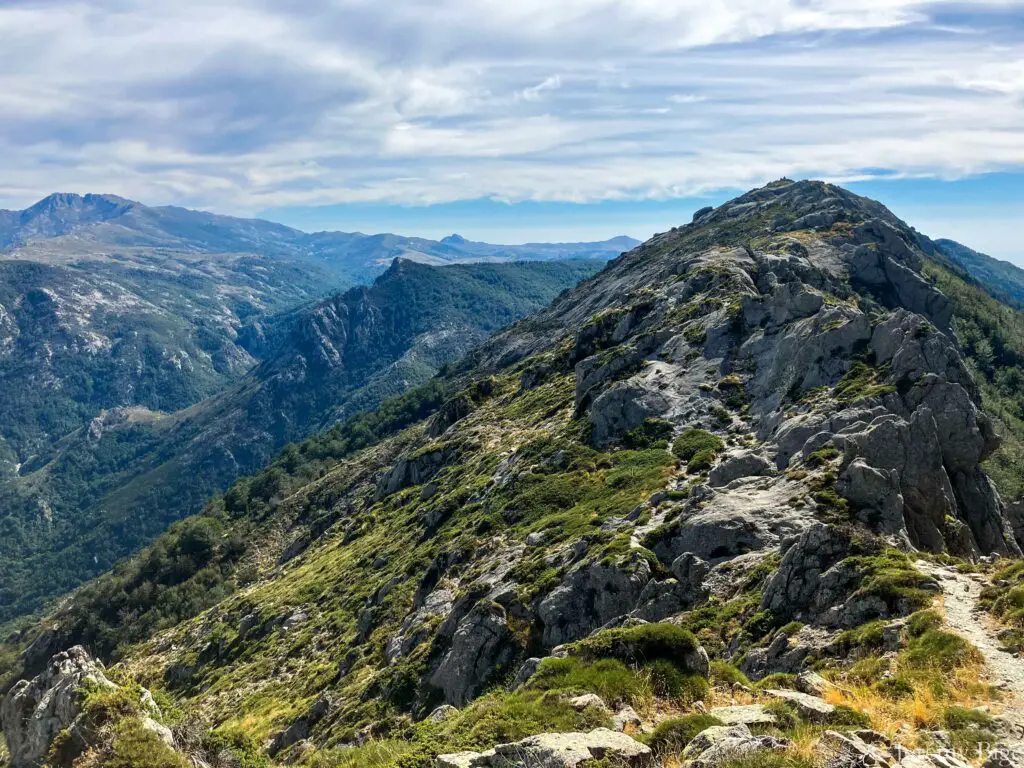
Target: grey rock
{"x": 481, "y": 645}
{"x": 690, "y": 570}
{"x": 813, "y": 684}
{"x": 811, "y": 708}
{"x": 850, "y": 750}
{"x": 414, "y": 469}
{"x": 34, "y": 711}
{"x": 555, "y": 750}
{"x": 527, "y": 670}
{"x": 579, "y": 703}
{"x": 300, "y": 729}
{"x": 720, "y": 744}
{"x": 592, "y": 595}
{"x": 743, "y": 714}
{"x": 626, "y": 717}
{"x": 875, "y": 495}
{"x": 442, "y": 713}
{"x": 159, "y": 730}
{"x": 535, "y": 539}
{"x": 735, "y": 466}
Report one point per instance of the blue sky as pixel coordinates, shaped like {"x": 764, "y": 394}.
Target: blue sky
{"x": 517, "y": 121}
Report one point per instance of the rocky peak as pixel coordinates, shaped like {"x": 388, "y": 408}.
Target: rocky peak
{"x": 62, "y": 212}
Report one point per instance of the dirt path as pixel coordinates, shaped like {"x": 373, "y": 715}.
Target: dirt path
{"x": 961, "y": 592}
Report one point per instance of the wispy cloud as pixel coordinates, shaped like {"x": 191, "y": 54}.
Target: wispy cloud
{"x": 245, "y": 105}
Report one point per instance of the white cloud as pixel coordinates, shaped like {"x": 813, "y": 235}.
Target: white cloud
{"x": 535, "y": 92}
{"x": 239, "y": 105}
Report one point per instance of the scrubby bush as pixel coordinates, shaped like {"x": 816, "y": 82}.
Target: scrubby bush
{"x": 639, "y": 645}
{"x": 702, "y": 462}
{"x": 727, "y": 674}
{"x": 669, "y": 682}
{"x": 674, "y": 734}
{"x": 694, "y": 441}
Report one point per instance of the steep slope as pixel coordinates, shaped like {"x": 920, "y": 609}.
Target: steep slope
{"x": 77, "y": 339}
{"x": 1001, "y": 278}
{"x": 724, "y": 445}
{"x": 112, "y": 485}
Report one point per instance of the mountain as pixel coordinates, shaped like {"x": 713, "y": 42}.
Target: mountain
{"x": 1001, "y": 278}
{"x": 68, "y": 228}
{"x": 112, "y": 485}
{"x": 732, "y": 464}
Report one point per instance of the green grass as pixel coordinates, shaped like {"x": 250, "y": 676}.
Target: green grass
{"x": 672, "y": 735}
{"x": 860, "y": 382}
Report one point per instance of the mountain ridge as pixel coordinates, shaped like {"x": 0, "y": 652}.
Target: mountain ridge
{"x": 70, "y": 226}
{"x": 691, "y": 481}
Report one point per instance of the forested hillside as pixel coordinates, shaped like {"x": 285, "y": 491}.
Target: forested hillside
{"x": 109, "y": 487}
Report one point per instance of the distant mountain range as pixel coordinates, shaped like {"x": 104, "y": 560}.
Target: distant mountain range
{"x": 66, "y": 227}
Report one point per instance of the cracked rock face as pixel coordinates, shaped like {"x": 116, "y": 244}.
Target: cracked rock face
{"x": 35, "y": 711}
{"x": 481, "y": 645}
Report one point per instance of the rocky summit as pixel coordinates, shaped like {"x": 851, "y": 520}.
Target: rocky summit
{"x": 715, "y": 506}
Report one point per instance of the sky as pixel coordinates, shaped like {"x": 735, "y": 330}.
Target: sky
{"x": 517, "y": 121}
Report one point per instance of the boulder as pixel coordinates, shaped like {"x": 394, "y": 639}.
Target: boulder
{"x": 737, "y": 465}
{"x": 850, "y": 750}
{"x": 592, "y": 595}
{"x": 300, "y": 728}
{"x": 743, "y": 714}
{"x": 813, "y": 684}
{"x": 442, "y": 713}
{"x": 626, "y": 718}
{"x": 721, "y": 744}
{"x": 875, "y": 496}
{"x": 579, "y": 703}
{"x": 527, "y": 670}
{"x": 482, "y": 644}
{"x": 811, "y": 708}
{"x": 555, "y": 750}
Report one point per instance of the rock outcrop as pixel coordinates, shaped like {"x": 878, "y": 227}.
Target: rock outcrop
{"x": 555, "y": 750}
{"x": 34, "y": 711}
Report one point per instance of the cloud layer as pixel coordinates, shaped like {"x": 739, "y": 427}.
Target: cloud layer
{"x": 248, "y": 105}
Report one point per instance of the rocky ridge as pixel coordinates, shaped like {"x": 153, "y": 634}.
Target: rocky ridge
{"x": 721, "y": 446}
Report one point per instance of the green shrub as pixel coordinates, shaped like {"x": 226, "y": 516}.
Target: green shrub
{"x": 957, "y": 718}
{"x": 939, "y": 650}
{"x": 702, "y": 462}
{"x": 136, "y": 747}
{"x": 674, "y": 734}
{"x": 726, "y": 674}
{"x": 821, "y": 457}
{"x": 610, "y": 679}
{"x": 639, "y": 645}
{"x": 670, "y": 682}
{"x": 694, "y": 441}
{"x": 786, "y": 717}
{"x": 652, "y": 433}
{"x": 845, "y": 716}
{"x": 896, "y": 687}
{"x": 868, "y": 670}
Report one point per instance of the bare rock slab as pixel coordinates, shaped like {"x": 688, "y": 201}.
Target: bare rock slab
{"x": 555, "y": 750}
